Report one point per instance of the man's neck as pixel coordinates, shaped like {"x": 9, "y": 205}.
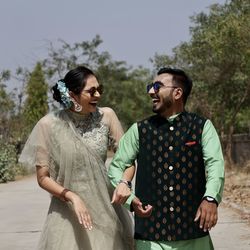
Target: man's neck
{"x": 171, "y": 111}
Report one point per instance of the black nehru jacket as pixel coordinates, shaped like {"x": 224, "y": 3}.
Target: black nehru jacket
{"x": 170, "y": 177}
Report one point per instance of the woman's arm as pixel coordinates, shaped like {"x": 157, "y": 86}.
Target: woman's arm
{"x": 45, "y": 182}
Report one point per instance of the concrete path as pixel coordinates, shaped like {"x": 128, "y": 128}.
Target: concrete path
{"x": 24, "y": 205}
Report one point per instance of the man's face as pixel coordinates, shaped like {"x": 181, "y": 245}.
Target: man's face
{"x": 163, "y": 98}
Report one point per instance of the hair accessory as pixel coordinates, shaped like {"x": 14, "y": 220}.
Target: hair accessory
{"x": 64, "y": 92}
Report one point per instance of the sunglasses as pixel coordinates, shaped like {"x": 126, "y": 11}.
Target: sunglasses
{"x": 157, "y": 85}
{"x": 93, "y": 90}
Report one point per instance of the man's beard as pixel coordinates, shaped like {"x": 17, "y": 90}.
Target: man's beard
{"x": 167, "y": 103}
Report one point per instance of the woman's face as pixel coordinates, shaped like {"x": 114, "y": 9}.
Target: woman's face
{"x": 89, "y": 96}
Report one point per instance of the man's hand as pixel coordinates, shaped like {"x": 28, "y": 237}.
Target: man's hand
{"x": 121, "y": 194}
{"x": 208, "y": 215}
{"x": 140, "y": 210}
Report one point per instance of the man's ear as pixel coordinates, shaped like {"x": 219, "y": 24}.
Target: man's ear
{"x": 178, "y": 93}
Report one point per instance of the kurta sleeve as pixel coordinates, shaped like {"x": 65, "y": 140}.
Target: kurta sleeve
{"x": 214, "y": 162}
{"x": 124, "y": 157}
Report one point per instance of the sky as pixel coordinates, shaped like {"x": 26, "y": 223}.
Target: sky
{"x": 131, "y": 30}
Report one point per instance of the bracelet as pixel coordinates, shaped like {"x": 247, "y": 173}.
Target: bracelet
{"x": 62, "y": 195}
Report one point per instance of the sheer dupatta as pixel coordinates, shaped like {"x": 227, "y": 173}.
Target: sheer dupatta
{"x": 56, "y": 144}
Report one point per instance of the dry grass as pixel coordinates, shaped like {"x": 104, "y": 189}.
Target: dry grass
{"x": 237, "y": 190}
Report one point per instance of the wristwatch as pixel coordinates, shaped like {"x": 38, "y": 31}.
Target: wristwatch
{"x": 210, "y": 199}
{"x": 128, "y": 183}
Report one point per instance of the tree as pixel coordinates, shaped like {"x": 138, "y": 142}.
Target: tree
{"x": 125, "y": 92}
{"x": 7, "y": 105}
{"x": 36, "y": 103}
{"x": 218, "y": 59}
{"x": 66, "y": 57}
{"x": 7, "y": 150}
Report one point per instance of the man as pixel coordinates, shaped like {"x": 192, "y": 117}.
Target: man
{"x": 180, "y": 170}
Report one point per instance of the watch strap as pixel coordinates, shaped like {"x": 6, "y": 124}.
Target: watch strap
{"x": 210, "y": 199}
{"x": 128, "y": 183}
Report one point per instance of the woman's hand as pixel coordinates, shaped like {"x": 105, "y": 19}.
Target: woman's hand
{"x": 81, "y": 211}
{"x": 44, "y": 180}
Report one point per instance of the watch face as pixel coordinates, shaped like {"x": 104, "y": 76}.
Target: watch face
{"x": 209, "y": 199}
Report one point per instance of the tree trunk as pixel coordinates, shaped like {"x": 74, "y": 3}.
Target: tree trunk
{"x": 228, "y": 150}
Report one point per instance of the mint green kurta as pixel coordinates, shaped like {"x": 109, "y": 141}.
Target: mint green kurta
{"x": 214, "y": 165}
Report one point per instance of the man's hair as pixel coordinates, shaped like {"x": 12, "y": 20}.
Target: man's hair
{"x": 180, "y": 78}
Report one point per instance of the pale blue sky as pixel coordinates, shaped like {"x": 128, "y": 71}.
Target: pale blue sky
{"x": 132, "y": 30}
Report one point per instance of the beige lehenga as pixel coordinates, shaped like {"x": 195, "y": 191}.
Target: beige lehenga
{"x": 74, "y": 148}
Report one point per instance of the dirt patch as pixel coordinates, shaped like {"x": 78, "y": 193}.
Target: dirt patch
{"x": 237, "y": 192}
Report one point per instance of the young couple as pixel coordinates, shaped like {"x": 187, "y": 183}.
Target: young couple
{"x": 179, "y": 172}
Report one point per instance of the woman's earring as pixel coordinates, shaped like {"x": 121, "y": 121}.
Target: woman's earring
{"x": 77, "y": 106}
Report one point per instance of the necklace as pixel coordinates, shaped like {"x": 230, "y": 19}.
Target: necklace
{"x": 84, "y": 123}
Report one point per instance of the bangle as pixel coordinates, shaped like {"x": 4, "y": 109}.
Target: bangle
{"x": 62, "y": 195}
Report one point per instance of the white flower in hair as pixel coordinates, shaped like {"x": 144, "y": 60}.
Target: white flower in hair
{"x": 64, "y": 93}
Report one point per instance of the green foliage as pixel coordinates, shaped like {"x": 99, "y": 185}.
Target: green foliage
{"x": 7, "y": 106}
{"x": 218, "y": 60}
{"x": 125, "y": 92}
{"x": 7, "y": 162}
{"x": 60, "y": 60}
{"x": 6, "y": 102}
{"x": 221, "y": 59}
{"x": 36, "y": 103}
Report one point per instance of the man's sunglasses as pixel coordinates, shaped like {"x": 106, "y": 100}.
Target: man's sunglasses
{"x": 93, "y": 90}
{"x": 157, "y": 85}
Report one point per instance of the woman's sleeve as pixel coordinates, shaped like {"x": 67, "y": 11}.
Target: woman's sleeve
{"x": 36, "y": 150}
{"x": 115, "y": 129}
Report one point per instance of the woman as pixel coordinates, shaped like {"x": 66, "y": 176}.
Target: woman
{"x": 69, "y": 149}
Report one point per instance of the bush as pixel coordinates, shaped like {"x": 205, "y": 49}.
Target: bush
{"x": 7, "y": 162}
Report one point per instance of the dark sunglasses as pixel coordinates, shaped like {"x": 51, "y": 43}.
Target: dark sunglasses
{"x": 157, "y": 85}
{"x": 93, "y": 90}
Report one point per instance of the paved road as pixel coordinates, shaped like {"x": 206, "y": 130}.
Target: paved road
{"x": 23, "y": 208}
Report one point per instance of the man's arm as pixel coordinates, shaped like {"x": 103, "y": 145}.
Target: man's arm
{"x": 214, "y": 162}
{"x": 214, "y": 166}
{"x": 124, "y": 157}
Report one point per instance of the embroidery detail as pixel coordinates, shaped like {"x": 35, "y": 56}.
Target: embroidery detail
{"x": 190, "y": 143}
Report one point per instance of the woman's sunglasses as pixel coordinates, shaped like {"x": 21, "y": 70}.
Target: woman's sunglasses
{"x": 93, "y": 90}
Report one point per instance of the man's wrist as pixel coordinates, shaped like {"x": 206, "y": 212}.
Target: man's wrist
{"x": 127, "y": 183}
{"x": 210, "y": 199}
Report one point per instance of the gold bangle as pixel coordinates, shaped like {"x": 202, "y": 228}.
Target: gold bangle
{"x": 62, "y": 195}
